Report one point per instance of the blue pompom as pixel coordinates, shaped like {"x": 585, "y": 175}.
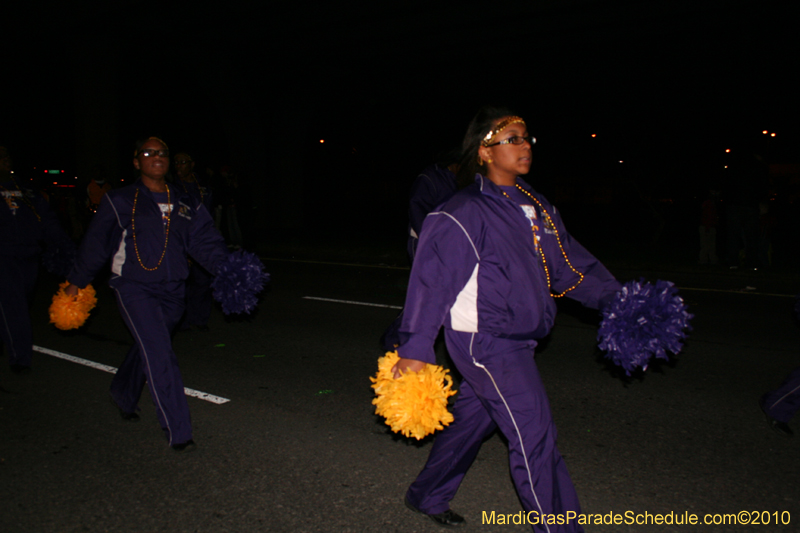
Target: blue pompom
{"x": 59, "y": 259}
{"x": 240, "y": 277}
{"x": 643, "y": 321}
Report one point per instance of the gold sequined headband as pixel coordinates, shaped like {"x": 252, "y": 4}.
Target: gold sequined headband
{"x": 489, "y": 139}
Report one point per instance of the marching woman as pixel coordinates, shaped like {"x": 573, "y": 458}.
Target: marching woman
{"x": 146, "y": 230}
{"x": 489, "y": 265}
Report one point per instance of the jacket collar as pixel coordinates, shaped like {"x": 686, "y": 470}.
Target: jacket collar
{"x": 176, "y": 192}
{"x": 488, "y": 187}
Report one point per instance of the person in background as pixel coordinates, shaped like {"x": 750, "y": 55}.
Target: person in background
{"x": 146, "y": 230}
{"x": 490, "y": 263}
{"x": 230, "y": 201}
{"x": 709, "y": 219}
{"x": 26, "y": 221}
{"x": 745, "y": 184}
{"x": 212, "y": 181}
{"x": 781, "y": 404}
{"x": 767, "y": 224}
{"x": 198, "y": 284}
{"x": 97, "y": 188}
{"x": 434, "y": 185}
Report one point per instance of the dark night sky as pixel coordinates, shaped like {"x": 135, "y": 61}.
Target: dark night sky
{"x": 665, "y": 85}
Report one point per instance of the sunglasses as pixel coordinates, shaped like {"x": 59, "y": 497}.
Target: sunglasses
{"x": 516, "y": 139}
{"x": 150, "y": 152}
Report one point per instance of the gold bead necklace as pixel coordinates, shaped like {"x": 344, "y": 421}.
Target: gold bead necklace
{"x": 133, "y": 229}
{"x": 186, "y": 189}
{"x": 541, "y": 248}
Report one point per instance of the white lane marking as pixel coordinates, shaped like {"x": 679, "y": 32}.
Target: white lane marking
{"x": 730, "y": 291}
{"x": 352, "y": 302}
{"x": 111, "y": 370}
{"x": 737, "y": 291}
{"x": 67, "y": 357}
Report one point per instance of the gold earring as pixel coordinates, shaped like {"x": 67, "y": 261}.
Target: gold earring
{"x": 489, "y": 161}
{"x": 480, "y": 161}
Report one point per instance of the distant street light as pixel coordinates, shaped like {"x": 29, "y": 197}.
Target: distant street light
{"x": 727, "y": 150}
{"x": 764, "y": 132}
{"x": 772, "y": 135}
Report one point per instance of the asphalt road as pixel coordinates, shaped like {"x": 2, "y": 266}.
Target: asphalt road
{"x": 298, "y": 448}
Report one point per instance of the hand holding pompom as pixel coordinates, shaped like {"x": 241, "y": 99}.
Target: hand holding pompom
{"x": 415, "y": 404}
{"x": 70, "y": 312}
{"x": 240, "y": 277}
{"x": 643, "y": 321}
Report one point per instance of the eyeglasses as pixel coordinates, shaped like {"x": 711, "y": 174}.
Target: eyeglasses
{"x": 150, "y": 152}
{"x": 182, "y": 161}
{"x": 516, "y": 139}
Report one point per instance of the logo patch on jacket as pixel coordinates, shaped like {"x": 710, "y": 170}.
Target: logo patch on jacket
{"x": 11, "y": 200}
{"x": 530, "y": 212}
{"x": 549, "y": 228}
{"x": 184, "y": 211}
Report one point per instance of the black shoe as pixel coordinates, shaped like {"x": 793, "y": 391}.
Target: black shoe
{"x": 780, "y": 427}
{"x": 187, "y": 446}
{"x": 128, "y": 417}
{"x": 21, "y": 370}
{"x": 445, "y": 519}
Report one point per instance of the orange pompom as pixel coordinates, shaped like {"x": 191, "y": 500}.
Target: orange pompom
{"x": 70, "y": 312}
{"x": 415, "y": 404}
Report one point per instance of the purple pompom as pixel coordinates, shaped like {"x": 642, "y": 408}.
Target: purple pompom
{"x": 240, "y": 277}
{"x": 643, "y": 321}
{"x": 59, "y": 260}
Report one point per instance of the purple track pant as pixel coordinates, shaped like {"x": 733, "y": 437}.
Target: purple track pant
{"x": 151, "y": 313}
{"x": 501, "y": 389}
{"x": 782, "y": 403}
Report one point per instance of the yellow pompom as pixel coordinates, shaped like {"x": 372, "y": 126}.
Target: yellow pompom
{"x": 70, "y": 312}
{"x": 415, "y": 404}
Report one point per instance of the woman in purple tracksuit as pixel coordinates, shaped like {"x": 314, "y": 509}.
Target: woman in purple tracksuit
{"x": 146, "y": 230}
{"x": 781, "y": 404}
{"x": 489, "y": 264}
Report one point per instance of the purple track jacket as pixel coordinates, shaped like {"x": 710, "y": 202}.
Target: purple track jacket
{"x": 477, "y": 270}
{"x": 110, "y": 235}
